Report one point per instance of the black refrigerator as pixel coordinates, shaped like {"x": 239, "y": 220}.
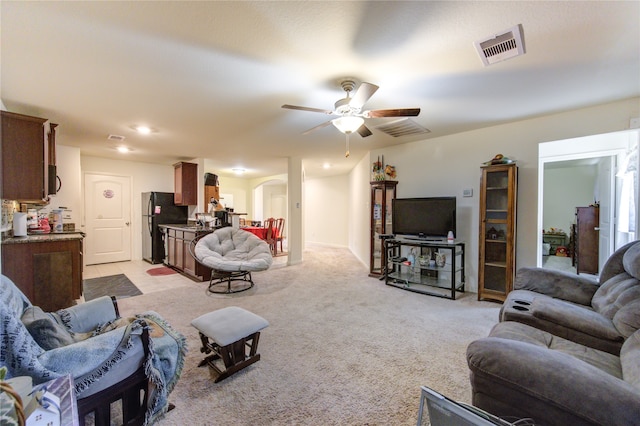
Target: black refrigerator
{"x": 158, "y": 209}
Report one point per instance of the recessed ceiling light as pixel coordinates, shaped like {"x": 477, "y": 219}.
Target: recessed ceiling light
{"x": 123, "y": 149}
{"x": 326, "y": 166}
{"x": 143, "y": 130}
{"x": 238, "y": 171}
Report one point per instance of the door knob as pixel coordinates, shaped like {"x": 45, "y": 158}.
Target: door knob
{"x": 126, "y": 223}
{"x": 596, "y": 229}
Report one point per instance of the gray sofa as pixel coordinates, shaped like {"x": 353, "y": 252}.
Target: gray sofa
{"x": 567, "y": 349}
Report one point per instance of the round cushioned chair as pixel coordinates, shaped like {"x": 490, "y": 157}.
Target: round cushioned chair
{"x": 232, "y": 254}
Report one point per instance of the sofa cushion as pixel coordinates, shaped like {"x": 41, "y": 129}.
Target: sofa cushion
{"x": 604, "y": 361}
{"x": 631, "y": 261}
{"x": 605, "y": 300}
{"x": 575, "y": 317}
{"x": 627, "y": 319}
{"x": 630, "y": 360}
{"x": 45, "y": 330}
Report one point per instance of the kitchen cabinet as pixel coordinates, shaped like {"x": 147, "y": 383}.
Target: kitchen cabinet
{"x": 186, "y": 184}
{"x": 587, "y": 239}
{"x": 52, "y": 171}
{"x": 178, "y": 239}
{"x": 46, "y": 268}
{"x": 382, "y": 194}
{"x": 497, "y": 236}
{"x": 24, "y": 158}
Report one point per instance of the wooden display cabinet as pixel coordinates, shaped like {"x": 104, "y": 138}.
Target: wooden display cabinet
{"x": 382, "y": 194}
{"x": 497, "y": 259}
{"x": 186, "y": 184}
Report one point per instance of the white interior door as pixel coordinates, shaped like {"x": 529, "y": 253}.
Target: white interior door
{"x": 107, "y": 218}
{"x": 606, "y": 192}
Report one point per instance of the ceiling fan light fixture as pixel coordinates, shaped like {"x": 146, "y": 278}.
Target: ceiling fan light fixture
{"x": 348, "y": 124}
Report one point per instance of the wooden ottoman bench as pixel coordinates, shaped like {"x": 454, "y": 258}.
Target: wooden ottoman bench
{"x": 227, "y": 334}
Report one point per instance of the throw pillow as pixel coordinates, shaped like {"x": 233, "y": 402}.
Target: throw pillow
{"x": 45, "y": 330}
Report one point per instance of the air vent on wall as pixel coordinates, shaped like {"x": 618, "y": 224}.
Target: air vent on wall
{"x": 501, "y": 47}
{"x": 402, "y": 127}
{"x": 116, "y": 138}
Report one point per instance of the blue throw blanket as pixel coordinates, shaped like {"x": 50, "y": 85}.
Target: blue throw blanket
{"x": 86, "y": 360}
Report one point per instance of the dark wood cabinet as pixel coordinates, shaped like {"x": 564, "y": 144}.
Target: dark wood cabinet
{"x": 382, "y": 194}
{"x": 587, "y": 239}
{"x": 179, "y": 257}
{"x": 48, "y": 270}
{"x": 497, "y": 259}
{"x": 186, "y": 184}
{"x": 24, "y": 158}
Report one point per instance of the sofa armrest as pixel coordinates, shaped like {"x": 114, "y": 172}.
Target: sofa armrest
{"x": 87, "y": 316}
{"x": 561, "y": 285}
{"x": 554, "y": 379}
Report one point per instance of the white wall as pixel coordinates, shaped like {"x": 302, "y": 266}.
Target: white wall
{"x": 565, "y": 189}
{"x": 326, "y": 210}
{"x": 359, "y": 211}
{"x": 447, "y": 165}
{"x": 145, "y": 177}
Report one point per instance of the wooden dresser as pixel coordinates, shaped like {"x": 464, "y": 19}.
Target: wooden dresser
{"x": 587, "y": 235}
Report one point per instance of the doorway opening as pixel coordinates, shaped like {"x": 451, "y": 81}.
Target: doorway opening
{"x": 595, "y": 171}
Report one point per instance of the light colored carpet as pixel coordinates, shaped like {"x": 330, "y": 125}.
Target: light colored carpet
{"x": 341, "y": 349}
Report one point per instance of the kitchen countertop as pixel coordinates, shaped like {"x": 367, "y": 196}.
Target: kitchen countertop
{"x": 40, "y": 238}
{"x": 187, "y": 227}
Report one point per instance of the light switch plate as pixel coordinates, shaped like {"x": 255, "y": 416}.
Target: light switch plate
{"x": 467, "y": 192}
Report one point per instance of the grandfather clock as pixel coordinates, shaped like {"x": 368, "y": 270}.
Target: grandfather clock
{"x": 382, "y": 192}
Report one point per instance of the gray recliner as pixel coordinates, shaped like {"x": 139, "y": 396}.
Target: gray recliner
{"x": 599, "y": 314}
{"x": 567, "y": 349}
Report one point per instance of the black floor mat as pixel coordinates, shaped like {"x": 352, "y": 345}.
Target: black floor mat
{"x": 113, "y": 285}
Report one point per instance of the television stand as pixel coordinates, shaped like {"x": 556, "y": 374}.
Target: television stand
{"x": 426, "y": 277}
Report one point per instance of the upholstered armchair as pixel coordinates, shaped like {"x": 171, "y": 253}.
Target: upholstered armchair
{"x": 137, "y": 360}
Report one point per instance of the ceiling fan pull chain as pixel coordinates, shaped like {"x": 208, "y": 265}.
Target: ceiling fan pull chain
{"x": 347, "y": 153}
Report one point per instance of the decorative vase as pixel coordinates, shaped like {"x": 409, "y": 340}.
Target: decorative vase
{"x": 441, "y": 259}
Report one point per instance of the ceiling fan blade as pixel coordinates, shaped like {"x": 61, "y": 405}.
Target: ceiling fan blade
{"x": 362, "y": 95}
{"x": 301, "y": 108}
{"x": 399, "y": 112}
{"x": 364, "y": 131}
{"x": 319, "y": 126}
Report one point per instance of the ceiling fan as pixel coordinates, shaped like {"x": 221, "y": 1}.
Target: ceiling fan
{"x": 349, "y": 110}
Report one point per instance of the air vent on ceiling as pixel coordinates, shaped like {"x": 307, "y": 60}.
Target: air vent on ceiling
{"x": 501, "y": 47}
{"x": 403, "y": 127}
{"x": 115, "y": 138}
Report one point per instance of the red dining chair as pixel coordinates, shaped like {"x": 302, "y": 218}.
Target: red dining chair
{"x": 280, "y": 232}
{"x": 270, "y": 231}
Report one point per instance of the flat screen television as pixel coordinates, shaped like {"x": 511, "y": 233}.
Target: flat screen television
{"x": 428, "y": 218}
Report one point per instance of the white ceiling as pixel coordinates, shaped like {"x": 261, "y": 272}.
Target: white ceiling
{"x": 210, "y": 77}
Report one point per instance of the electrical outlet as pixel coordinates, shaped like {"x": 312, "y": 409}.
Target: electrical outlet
{"x": 634, "y": 123}
{"x": 467, "y": 192}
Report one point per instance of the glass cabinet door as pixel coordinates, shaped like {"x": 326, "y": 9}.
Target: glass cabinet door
{"x": 497, "y": 231}
{"x": 382, "y": 194}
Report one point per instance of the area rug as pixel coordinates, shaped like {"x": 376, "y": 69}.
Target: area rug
{"x": 163, "y": 270}
{"x": 113, "y": 285}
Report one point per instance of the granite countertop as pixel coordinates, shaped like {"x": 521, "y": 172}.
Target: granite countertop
{"x": 39, "y": 238}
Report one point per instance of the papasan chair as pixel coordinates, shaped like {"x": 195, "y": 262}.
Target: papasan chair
{"x": 232, "y": 254}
